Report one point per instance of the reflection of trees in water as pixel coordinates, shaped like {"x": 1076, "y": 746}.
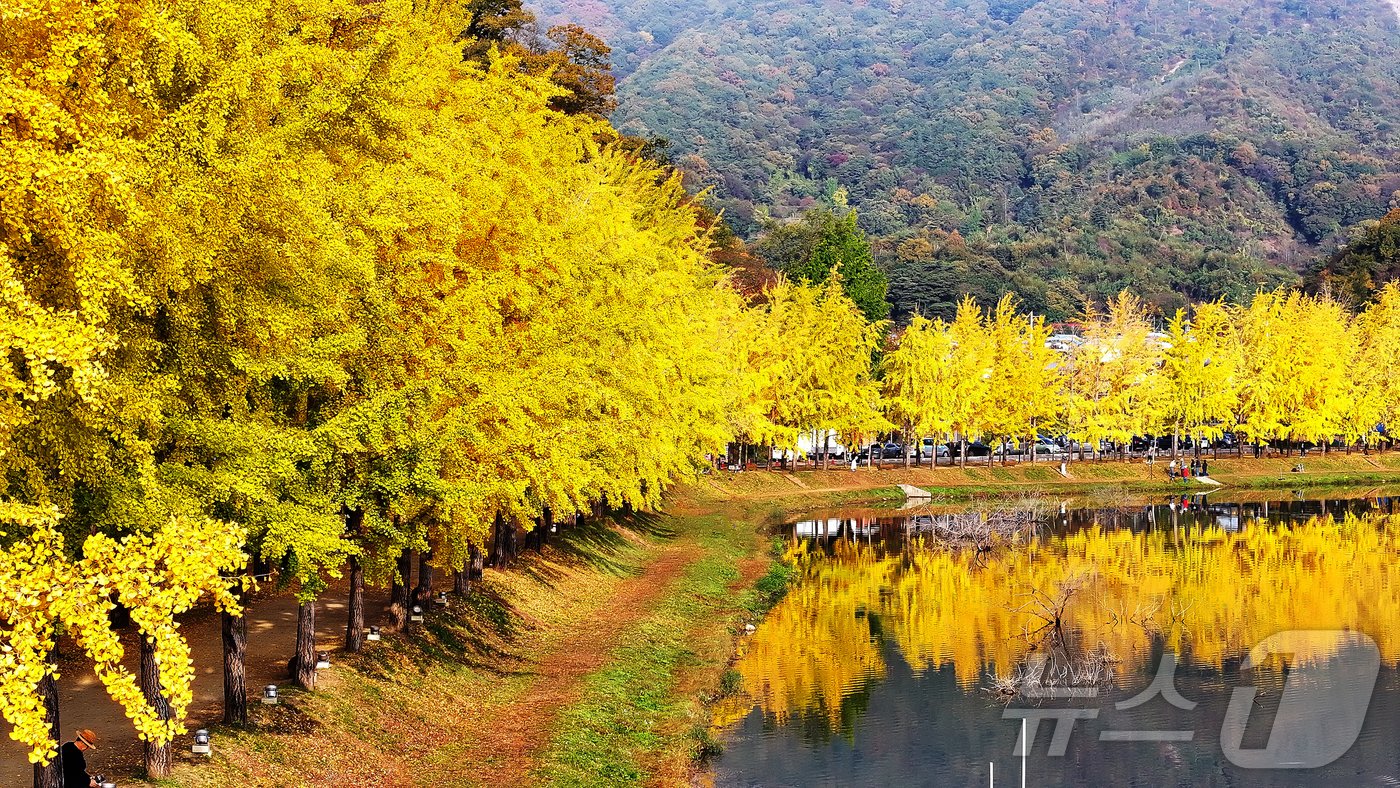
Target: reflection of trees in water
{"x": 1212, "y": 591}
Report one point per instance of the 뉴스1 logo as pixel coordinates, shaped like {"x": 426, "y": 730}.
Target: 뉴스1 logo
{"x": 1324, "y": 701}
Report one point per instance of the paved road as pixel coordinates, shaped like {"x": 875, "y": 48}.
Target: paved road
{"x": 272, "y": 617}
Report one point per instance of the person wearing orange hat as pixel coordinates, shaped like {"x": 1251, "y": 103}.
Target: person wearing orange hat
{"x": 75, "y": 773}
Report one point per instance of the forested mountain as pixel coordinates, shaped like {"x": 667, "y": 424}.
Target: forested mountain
{"x": 1063, "y": 148}
{"x": 1369, "y": 259}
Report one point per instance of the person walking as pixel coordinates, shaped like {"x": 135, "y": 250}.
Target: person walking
{"x": 75, "y": 773}
{"x": 1205, "y": 468}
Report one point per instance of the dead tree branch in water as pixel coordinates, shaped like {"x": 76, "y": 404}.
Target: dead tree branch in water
{"x": 981, "y": 531}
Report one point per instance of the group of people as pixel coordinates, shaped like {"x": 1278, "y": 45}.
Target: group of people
{"x": 1187, "y": 470}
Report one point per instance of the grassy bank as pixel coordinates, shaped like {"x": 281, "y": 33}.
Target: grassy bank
{"x": 583, "y": 665}
{"x": 954, "y": 484}
{"x": 639, "y": 719}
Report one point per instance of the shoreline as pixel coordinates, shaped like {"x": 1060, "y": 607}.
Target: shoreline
{"x": 956, "y": 484}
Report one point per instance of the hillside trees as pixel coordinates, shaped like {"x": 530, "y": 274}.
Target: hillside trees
{"x": 1161, "y": 149}
{"x": 825, "y": 242}
{"x": 577, "y": 61}
{"x": 1371, "y": 258}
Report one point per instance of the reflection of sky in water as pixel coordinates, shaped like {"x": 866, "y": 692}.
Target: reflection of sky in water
{"x": 873, "y": 669}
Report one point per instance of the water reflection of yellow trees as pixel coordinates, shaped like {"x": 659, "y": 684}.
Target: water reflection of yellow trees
{"x": 1208, "y": 592}
{"x": 817, "y": 647}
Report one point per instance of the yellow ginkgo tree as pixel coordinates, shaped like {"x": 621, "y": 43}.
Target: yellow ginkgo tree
{"x": 1200, "y": 374}
{"x": 1111, "y": 385}
{"x": 45, "y": 592}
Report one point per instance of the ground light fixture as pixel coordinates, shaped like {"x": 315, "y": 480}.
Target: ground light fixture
{"x": 270, "y": 695}
{"x": 323, "y": 660}
{"x": 373, "y": 634}
{"x": 441, "y": 598}
{"x": 417, "y": 614}
{"x": 201, "y": 742}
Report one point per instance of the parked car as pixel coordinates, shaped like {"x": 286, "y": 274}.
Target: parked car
{"x": 878, "y": 451}
{"x": 974, "y": 449}
{"x": 1043, "y": 447}
{"x": 931, "y": 448}
{"x": 1071, "y": 445}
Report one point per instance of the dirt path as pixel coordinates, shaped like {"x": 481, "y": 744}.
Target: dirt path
{"x": 506, "y": 740}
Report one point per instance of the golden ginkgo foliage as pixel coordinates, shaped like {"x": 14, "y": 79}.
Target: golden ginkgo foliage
{"x": 1286, "y": 366}
{"x": 300, "y": 279}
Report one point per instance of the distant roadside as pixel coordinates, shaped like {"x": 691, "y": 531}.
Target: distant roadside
{"x": 960, "y": 483}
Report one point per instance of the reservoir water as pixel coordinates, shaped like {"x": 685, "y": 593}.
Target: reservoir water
{"x": 1247, "y": 641}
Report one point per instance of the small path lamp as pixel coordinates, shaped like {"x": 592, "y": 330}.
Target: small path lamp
{"x": 373, "y": 634}
{"x": 269, "y": 695}
{"x": 201, "y": 742}
{"x": 417, "y": 614}
{"x": 441, "y": 598}
{"x": 323, "y": 660}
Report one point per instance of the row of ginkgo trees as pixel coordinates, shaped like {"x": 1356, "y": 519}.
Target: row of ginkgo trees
{"x": 295, "y": 290}
{"x": 1285, "y": 367}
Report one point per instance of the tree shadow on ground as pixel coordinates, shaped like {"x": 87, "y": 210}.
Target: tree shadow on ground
{"x": 477, "y": 631}
{"x": 482, "y": 630}
{"x": 600, "y": 545}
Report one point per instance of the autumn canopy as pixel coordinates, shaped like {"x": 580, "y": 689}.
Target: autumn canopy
{"x": 312, "y": 286}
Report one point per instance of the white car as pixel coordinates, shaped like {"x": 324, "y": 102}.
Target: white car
{"x": 932, "y": 448}
{"x": 1042, "y": 449}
